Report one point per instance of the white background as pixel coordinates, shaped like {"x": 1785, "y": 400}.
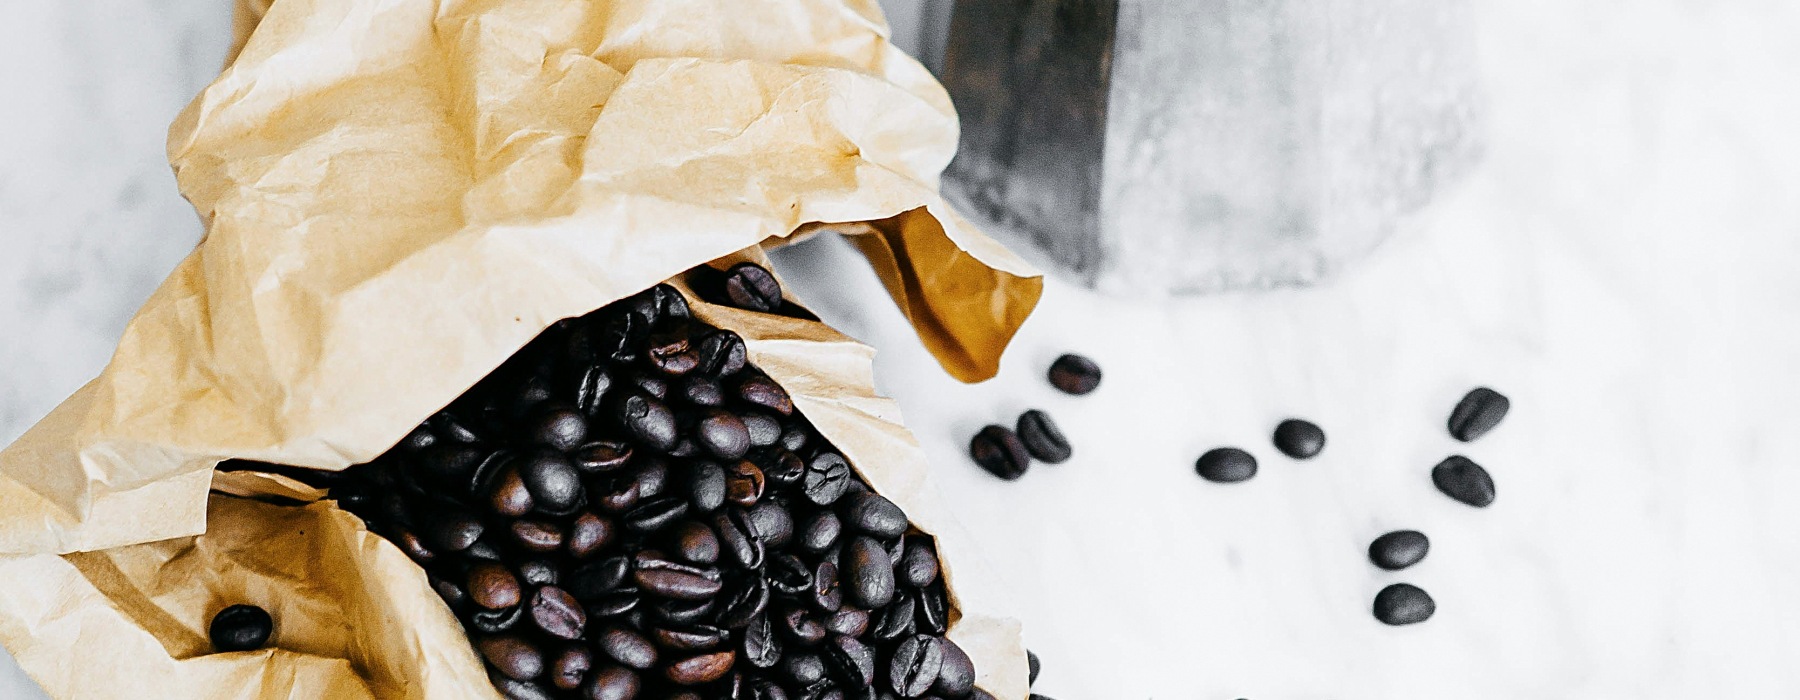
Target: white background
{"x": 1623, "y": 265}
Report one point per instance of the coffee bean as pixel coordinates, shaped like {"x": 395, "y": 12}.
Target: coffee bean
{"x": 826, "y": 595}
{"x": 849, "y": 662}
{"x": 744, "y": 483}
{"x": 652, "y": 516}
{"x": 847, "y": 621}
{"x": 627, "y": 647}
{"x": 1000, "y": 452}
{"x": 704, "y": 668}
{"x": 750, "y": 287}
{"x": 869, "y": 571}
{"x": 601, "y": 457}
{"x": 1226, "y": 465}
{"x": 492, "y": 586}
{"x": 916, "y": 664}
{"x": 589, "y": 534}
{"x": 559, "y": 428}
{"x": 1464, "y": 480}
{"x": 800, "y": 626}
{"x": 510, "y": 496}
{"x": 696, "y": 543}
{"x": 1403, "y": 604}
{"x": 445, "y": 464}
{"x": 876, "y": 515}
{"x": 956, "y": 677}
{"x": 240, "y": 628}
{"x": 696, "y": 638}
{"x": 934, "y": 611}
{"x": 649, "y": 421}
{"x": 614, "y": 603}
{"x": 896, "y": 620}
{"x": 668, "y": 579}
{"x": 593, "y": 580}
{"x": 1399, "y": 549}
{"x": 762, "y": 391}
{"x": 539, "y": 572}
{"x": 571, "y": 668}
{"x": 554, "y": 483}
{"x": 590, "y": 391}
{"x": 537, "y": 536}
{"x": 456, "y": 532}
{"x": 919, "y": 564}
{"x": 671, "y": 354}
{"x": 557, "y": 613}
{"x": 781, "y": 467}
{"x": 820, "y": 531}
{"x": 827, "y": 477}
{"x": 612, "y": 683}
{"x": 739, "y": 537}
{"x": 449, "y": 428}
{"x": 701, "y": 390}
{"x": 1299, "y": 439}
{"x": 1074, "y": 374}
{"x": 804, "y": 668}
{"x": 452, "y": 592}
{"x": 1032, "y": 658}
{"x": 787, "y": 574}
{"x": 723, "y": 435}
{"x": 721, "y": 353}
{"x": 761, "y": 647}
{"x": 513, "y": 656}
{"x": 1477, "y": 413}
{"x": 1042, "y": 438}
{"x": 748, "y": 599}
{"x": 765, "y": 430}
{"x": 771, "y": 523}
{"x": 497, "y": 621}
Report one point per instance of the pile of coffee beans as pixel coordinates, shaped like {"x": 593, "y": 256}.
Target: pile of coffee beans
{"x": 240, "y": 628}
{"x": 628, "y": 509}
{"x": 1008, "y": 452}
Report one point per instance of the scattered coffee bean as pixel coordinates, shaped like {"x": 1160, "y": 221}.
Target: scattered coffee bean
{"x": 1032, "y": 658}
{"x": 1074, "y": 374}
{"x": 1399, "y": 549}
{"x": 240, "y": 628}
{"x": 1000, "y": 452}
{"x": 1226, "y": 465}
{"x": 1403, "y": 604}
{"x": 1477, "y": 413}
{"x": 1464, "y": 480}
{"x": 1299, "y": 439}
{"x": 1042, "y": 438}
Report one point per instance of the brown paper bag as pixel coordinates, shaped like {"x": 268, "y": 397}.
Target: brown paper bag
{"x": 400, "y": 193}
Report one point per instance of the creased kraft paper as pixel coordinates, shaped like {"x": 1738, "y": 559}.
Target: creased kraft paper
{"x": 400, "y": 193}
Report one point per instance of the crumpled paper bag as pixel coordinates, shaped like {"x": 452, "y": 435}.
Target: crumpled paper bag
{"x": 400, "y": 193}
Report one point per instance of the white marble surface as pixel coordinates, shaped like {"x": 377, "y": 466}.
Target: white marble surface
{"x": 1622, "y": 266}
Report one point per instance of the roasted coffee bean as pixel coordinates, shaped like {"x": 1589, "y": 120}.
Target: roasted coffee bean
{"x": 706, "y": 486}
{"x": 519, "y": 690}
{"x": 782, "y": 468}
{"x": 761, "y": 689}
{"x": 1299, "y": 439}
{"x": 850, "y": 662}
{"x": 614, "y": 603}
{"x": 591, "y": 390}
{"x": 492, "y": 586}
{"x": 739, "y": 537}
{"x": 1399, "y": 549}
{"x": 1042, "y": 438}
{"x": 456, "y": 532}
{"x": 593, "y": 580}
{"x": 744, "y": 483}
{"x": 919, "y": 565}
{"x": 722, "y": 434}
{"x": 1477, "y": 413}
{"x": 497, "y": 621}
{"x": 794, "y": 437}
{"x": 916, "y": 665}
{"x": 896, "y": 621}
{"x": 559, "y": 428}
{"x": 1074, "y": 374}
{"x": 452, "y": 593}
{"x": 668, "y": 579}
{"x": 788, "y": 574}
{"x": 764, "y": 392}
{"x": 934, "y": 611}
{"x": 419, "y": 439}
{"x": 601, "y": 457}
{"x": 671, "y": 354}
{"x": 513, "y": 656}
{"x": 771, "y": 523}
{"x": 761, "y": 647}
{"x": 1226, "y": 465}
{"x": 956, "y": 677}
{"x": 1403, "y": 604}
{"x": 827, "y": 477}
{"x": 510, "y": 497}
{"x": 800, "y": 626}
{"x": 539, "y": 572}
{"x": 979, "y": 694}
{"x": 655, "y": 387}
{"x": 847, "y": 621}
{"x": 721, "y": 353}
{"x": 537, "y": 535}
{"x": 589, "y": 534}
{"x": 804, "y": 668}
{"x": 554, "y": 483}
{"x": 696, "y": 543}
{"x": 750, "y": 287}
{"x": 748, "y": 599}
{"x": 612, "y": 683}
{"x": 1031, "y": 657}
{"x": 876, "y": 515}
{"x": 869, "y": 570}
{"x": 557, "y": 613}
{"x": 352, "y": 496}
{"x": 765, "y": 430}
{"x": 622, "y": 336}
{"x": 701, "y": 390}
{"x": 414, "y": 546}
{"x": 652, "y": 516}
{"x": 627, "y": 647}
{"x": 696, "y": 638}
{"x": 240, "y": 628}
{"x": 571, "y": 667}
{"x": 820, "y": 531}
{"x": 649, "y": 421}
{"x": 445, "y": 464}
{"x": 1464, "y": 480}
{"x": 826, "y": 594}
{"x": 449, "y": 428}
{"x": 704, "y": 668}
{"x": 1000, "y": 452}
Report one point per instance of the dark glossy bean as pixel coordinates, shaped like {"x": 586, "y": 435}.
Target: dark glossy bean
{"x": 492, "y": 586}
{"x": 744, "y": 483}
{"x": 537, "y": 535}
{"x": 448, "y": 463}
{"x": 762, "y": 649}
{"x": 762, "y": 689}
{"x": 539, "y": 572}
{"x": 820, "y": 531}
{"x": 1226, "y": 465}
{"x": 450, "y": 428}
{"x": 672, "y": 354}
{"x": 701, "y": 390}
{"x": 825, "y": 593}
{"x": 1074, "y": 374}
{"x": 571, "y": 667}
{"x": 509, "y": 496}
{"x": 654, "y": 386}
{"x": 621, "y": 337}
{"x": 782, "y": 468}
{"x": 1000, "y": 452}
{"x": 419, "y": 439}
{"x": 804, "y": 668}
{"x": 626, "y": 647}
{"x": 1042, "y": 438}
{"x": 1464, "y": 480}
{"x": 589, "y": 534}
{"x": 934, "y": 611}
{"x": 721, "y": 353}
{"x": 554, "y": 483}
{"x": 850, "y": 662}
{"x": 452, "y": 593}
{"x": 704, "y": 668}
{"x": 497, "y": 621}
{"x": 696, "y": 638}
{"x": 612, "y": 683}
{"x": 1477, "y": 413}
{"x": 771, "y": 523}
{"x": 848, "y": 621}
{"x": 559, "y": 428}
{"x": 1299, "y": 439}
{"x": 956, "y": 675}
{"x": 748, "y": 599}
{"x": 591, "y": 390}
{"x": 240, "y": 628}
{"x": 750, "y": 287}
{"x": 788, "y": 574}
{"x": 652, "y": 516}
{"x": 456, "y": 532}
{"x": 915, "y": 666}
{"x": 876, "y": 515}
{"x": 696, "y": 543}
{"x": 603, "y": 457}
{"x": 513, "y": 656}
{"x": 621, "y": 601}
{"x": 739, "y": 537}
{"x": 919, "y": 564}
{"x": 828, "y": 476}
{"x": 648, "y": 420}
{"x": 896, "y": 620}
{"x": 557, "y": 613}
{"x": 414, "y": 546}
{"x": 593, "y": 580}
{"x": 1399, "y": 549}
{"x": 869, "y": 571}
{"x": 800, "y": 626}
{"x": 763, "y": 391}
{"x": 795, "y": 436}
{"x": 1403, "y": 604}
{"x": 765, "y": 430}
{"x": 668, "y": 579}
{"x": 706, "y": 486}
{"x": 1031, "y": 657}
